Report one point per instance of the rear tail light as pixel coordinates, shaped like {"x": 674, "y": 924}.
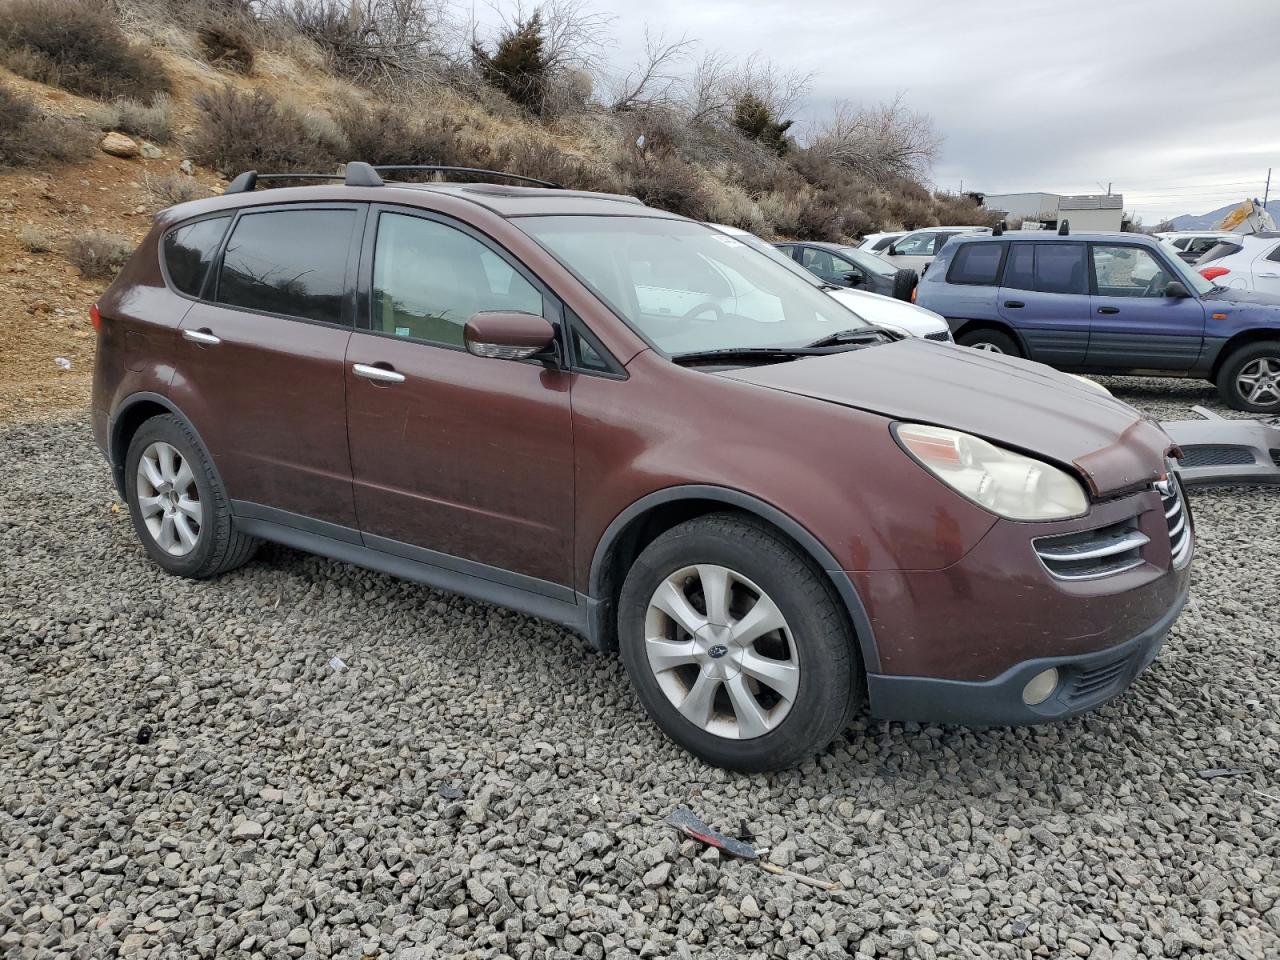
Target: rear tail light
{"x": 1213, "y": 273}
{"x": 95, "y": 317}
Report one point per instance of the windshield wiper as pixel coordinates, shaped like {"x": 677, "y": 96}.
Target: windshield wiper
{"x": 729, "y": 353}
{"x": 867, "y": 334}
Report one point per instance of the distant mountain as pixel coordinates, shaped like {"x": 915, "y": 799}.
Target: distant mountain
{"x": 1207, "y": 221}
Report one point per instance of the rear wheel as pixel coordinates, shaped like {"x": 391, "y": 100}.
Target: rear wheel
{"x": 737, "y": 645}
{"x": 1249, "y": 378}
{"x": 989, "y": 341}
{"x": 179, "y": 508}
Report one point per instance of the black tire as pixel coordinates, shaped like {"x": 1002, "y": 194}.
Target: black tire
{"x": 218, "y": 547}
{"x": 904, "y": 282}
{"x": 830, "y": 681}
{"x": 993, "y": 341}
{"x": 1229, "y": 373}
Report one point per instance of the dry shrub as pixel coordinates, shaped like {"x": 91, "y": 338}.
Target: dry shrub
{"x": 254, "y": 131}
{"x": 226, "y": 46}
{"x": 660, "y": 177}
{"x": 35, "y": 239}
{"x": 730, "y": 205}
{"x": 782, "y": 210}
{"x": 545, "y": 161}
{"x": 99, "y": 255}
{"x": 153, "y": 122}
{"x": 174, "y": 188}
{"x": 28, "y": 137}
{"x": 77, "y": 45}
{"x": 392, "y": 135}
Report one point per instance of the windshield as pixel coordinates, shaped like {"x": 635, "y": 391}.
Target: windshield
{"x": 777, "y": 256}
{"x": 869, "y": 261}
{"x": 687, "y": 288}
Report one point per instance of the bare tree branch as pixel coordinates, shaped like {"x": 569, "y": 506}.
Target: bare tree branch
{"x": 653, "y": 81}
{"x": 880, "y": 142}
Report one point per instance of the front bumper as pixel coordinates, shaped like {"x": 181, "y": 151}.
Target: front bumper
{"x": 1086, "y": 681}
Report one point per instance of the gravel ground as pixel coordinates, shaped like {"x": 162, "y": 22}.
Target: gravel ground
{"x": 286, "y": 808}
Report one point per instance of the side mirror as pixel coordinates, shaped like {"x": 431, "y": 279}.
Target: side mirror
{"x": 1176, "y": 290}
{"x": 852, "y": 277}
{"x": 507, "y": 336}
{"x": 893, "y": 250}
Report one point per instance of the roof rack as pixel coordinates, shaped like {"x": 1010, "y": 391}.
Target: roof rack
{"x": 358, "y": 174}
{"x": 471, "y": 171}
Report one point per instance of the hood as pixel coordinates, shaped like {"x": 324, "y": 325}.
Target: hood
{"x": 1246, "y": 297}
{"x": 1015, "y": 403}
{"x": 887, "y": 311}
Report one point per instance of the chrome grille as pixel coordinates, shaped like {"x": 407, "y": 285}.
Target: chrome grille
{"x": 942, "y": 335}
{"x": 1093, "y": 553}
{"x": 1179, "y": 521}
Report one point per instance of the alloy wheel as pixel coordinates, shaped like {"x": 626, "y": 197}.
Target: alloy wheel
{"x": 987, "y": 347}
{"x": 1259, "y": 381}
{"x": 168, "y": 499}
{"x": 722, "y": 652}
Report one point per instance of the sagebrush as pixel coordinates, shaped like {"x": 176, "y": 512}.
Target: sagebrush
{"x": 97, "y": 254}
{"x": 29, "y": 137}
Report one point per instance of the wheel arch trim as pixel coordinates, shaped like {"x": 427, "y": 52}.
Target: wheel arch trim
{"x": 814, "y": 547}
{"x": 116, "y": 455}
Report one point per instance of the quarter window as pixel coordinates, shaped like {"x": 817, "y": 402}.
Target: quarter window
{"x": 189, "y": 250}
{"x": 1123, "y": 271}
{"x": 1047, "y": 267}
{"x": 976, "y": 263}
{"x": 429, "y": 278}
{"x": 290, "y": 262}
{"x": 1274, "y": 254}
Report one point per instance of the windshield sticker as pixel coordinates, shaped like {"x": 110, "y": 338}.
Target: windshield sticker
{"x": 729, "y": 241}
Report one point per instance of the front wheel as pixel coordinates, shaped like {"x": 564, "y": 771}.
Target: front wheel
{"x": 1250, "y": 378}
{"x": 737, "y": 645}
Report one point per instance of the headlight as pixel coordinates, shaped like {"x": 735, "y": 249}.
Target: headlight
{"x": 1006, "y": 483}
{"x": 1091, "y": 383}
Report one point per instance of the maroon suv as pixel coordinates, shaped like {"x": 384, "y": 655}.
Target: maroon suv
{"x": 589, "y": 410}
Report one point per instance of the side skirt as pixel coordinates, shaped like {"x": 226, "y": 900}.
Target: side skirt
{"x": 467, "y": 578}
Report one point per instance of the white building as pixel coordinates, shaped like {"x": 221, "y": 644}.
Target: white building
{"x": 1094, "y": 212}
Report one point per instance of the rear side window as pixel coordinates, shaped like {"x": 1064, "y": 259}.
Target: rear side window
{"x": 1181, "y": 242}
{"x": 976, "y": 263}
{"x": 290, "y": 262}
{"x": 1274, "y": 254}
{"x": 1047, "y": 268}
{"x": 189, "y": 250}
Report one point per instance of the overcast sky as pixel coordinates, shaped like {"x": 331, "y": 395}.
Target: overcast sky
{"x": 1176, "y": 103}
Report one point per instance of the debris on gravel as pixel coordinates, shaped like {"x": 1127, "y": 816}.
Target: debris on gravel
{"x": 284, "y": 808}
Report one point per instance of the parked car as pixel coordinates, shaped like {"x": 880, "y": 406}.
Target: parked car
{"x": 878, "y": 242}
{"x": 1254, "y": 267}
{"x": 892, "y": 314}
{"x": 1223, "y": 248}
{"x": 916, "y": 250}
{"x": 1108, "y": 304}
{"x": 770, "y": 508}
{"x": 844, "y": 266}
{"x": 1192, "y": 244}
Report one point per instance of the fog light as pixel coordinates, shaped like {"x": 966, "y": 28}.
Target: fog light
{"x": 1041, "y": 687}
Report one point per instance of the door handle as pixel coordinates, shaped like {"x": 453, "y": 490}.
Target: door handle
{"x": 1014, "y": 304}
{"x": 1270, "y": 276}
{"x": 1108, "y": 309}
{"x": 381, "y": 374}
{"x": 202, "y": 337}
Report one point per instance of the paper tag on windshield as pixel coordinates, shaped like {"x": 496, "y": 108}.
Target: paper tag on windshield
{"x": 729, "y": 241}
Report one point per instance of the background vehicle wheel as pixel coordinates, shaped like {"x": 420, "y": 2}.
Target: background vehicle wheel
{"x": 992, "y": 341}
{"x": 737, "y": 645}
{"x": 904, "y": 281}
{"x": 1249, "y": 379}
{"x": 177, "y": 503}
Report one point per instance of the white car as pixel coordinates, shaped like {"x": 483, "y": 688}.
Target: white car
{"x": 877, "y": 242}
{"x": 1255, "y": 268}
{"x": 896, "y": 315}
{"x": 916, "y": 250}
{"x": 1191, "y": 244}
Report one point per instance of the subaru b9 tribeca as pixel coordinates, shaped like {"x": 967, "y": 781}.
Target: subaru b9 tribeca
{"x": 773, "y": 511}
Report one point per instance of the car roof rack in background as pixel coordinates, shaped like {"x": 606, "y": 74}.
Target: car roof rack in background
{"x": 1064, "y": 228}
{"x": 359, "y": 174}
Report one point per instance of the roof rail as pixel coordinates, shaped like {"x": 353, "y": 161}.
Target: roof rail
{"x": 356, "y": 174}
{"x": 473, "y": 171}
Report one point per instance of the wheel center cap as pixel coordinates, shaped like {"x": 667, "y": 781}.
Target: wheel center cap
{"x": 713, "y": 645}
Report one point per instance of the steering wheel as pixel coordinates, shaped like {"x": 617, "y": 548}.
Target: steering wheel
{"x": 1155, "y": 286}
{"x": 702, "y": 308}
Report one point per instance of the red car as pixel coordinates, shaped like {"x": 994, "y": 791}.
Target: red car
{"x": 616, "y": 418}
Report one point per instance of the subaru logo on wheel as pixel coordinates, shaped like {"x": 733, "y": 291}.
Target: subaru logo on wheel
{"x": 718, "y": 651}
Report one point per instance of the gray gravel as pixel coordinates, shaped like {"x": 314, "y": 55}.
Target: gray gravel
{"x": 287, "y": 808}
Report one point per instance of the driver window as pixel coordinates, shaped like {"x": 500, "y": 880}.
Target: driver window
{"x": 1123, "y": 271}
{"x": 916, "y": 245}
{"x": 820, "y": 262}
